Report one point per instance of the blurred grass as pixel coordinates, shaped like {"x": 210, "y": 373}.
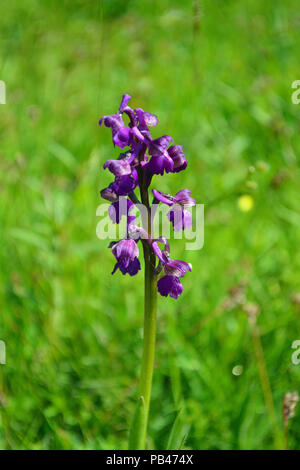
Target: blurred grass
{"x": 219, "y": 77}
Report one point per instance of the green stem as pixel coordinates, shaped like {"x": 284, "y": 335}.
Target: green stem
{"x": 137, "y": 439}
{"x": 138, "y": 432}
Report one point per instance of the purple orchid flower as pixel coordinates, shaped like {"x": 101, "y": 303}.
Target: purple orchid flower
{"x": 160, "y": 161}
{"x": 174, "y": 269}
{"x": 180, "y": 218}
{"x": 124, "y": 185}
{"x": 121, "y": 134}
{"x": 126, "y": 253}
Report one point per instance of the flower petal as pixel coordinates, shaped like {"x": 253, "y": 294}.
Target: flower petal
{"x": 160, "y": 145}
{"x": 184, "y": 199}
{"x": 178, "y": 157}
{"x": 164, "y": 198}
{"x": 118, "y": 167}
{"x": 177, "y": 268}
{"x": 125, "y": 99}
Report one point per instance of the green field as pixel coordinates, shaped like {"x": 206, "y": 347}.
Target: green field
{"x": 218, "y": 75}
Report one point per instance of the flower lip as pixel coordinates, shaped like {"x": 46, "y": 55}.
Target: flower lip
{"x": 131, "y": 268}
{"x": 169, "y": 285}
{"x": 160, "y": 163}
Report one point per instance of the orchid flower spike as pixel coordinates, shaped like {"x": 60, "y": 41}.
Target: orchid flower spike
{"x": 144, "y": 157}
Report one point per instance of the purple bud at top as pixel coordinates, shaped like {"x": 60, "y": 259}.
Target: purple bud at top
{"x": 125, "y": 99}
{"x": 178, "y": 157}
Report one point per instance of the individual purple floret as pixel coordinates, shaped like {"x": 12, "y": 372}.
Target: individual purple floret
{"x": 180, "y": 218}
{"x": 144, "y": 158}
{"x": 126, "y": 253}
{"x": 123, "y": 185}
{"x": 121, "y": 134}
{"x": 174, "y": 269}
{"x": 161, "y": 160}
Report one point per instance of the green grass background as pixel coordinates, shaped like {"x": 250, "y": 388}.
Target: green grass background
{"x": 218, "y": 74}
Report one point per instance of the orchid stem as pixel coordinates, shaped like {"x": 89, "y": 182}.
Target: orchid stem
{"x": 137, "y": 439}
{"x": 149, "y": 339}
{"x": 138, "y": 433}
